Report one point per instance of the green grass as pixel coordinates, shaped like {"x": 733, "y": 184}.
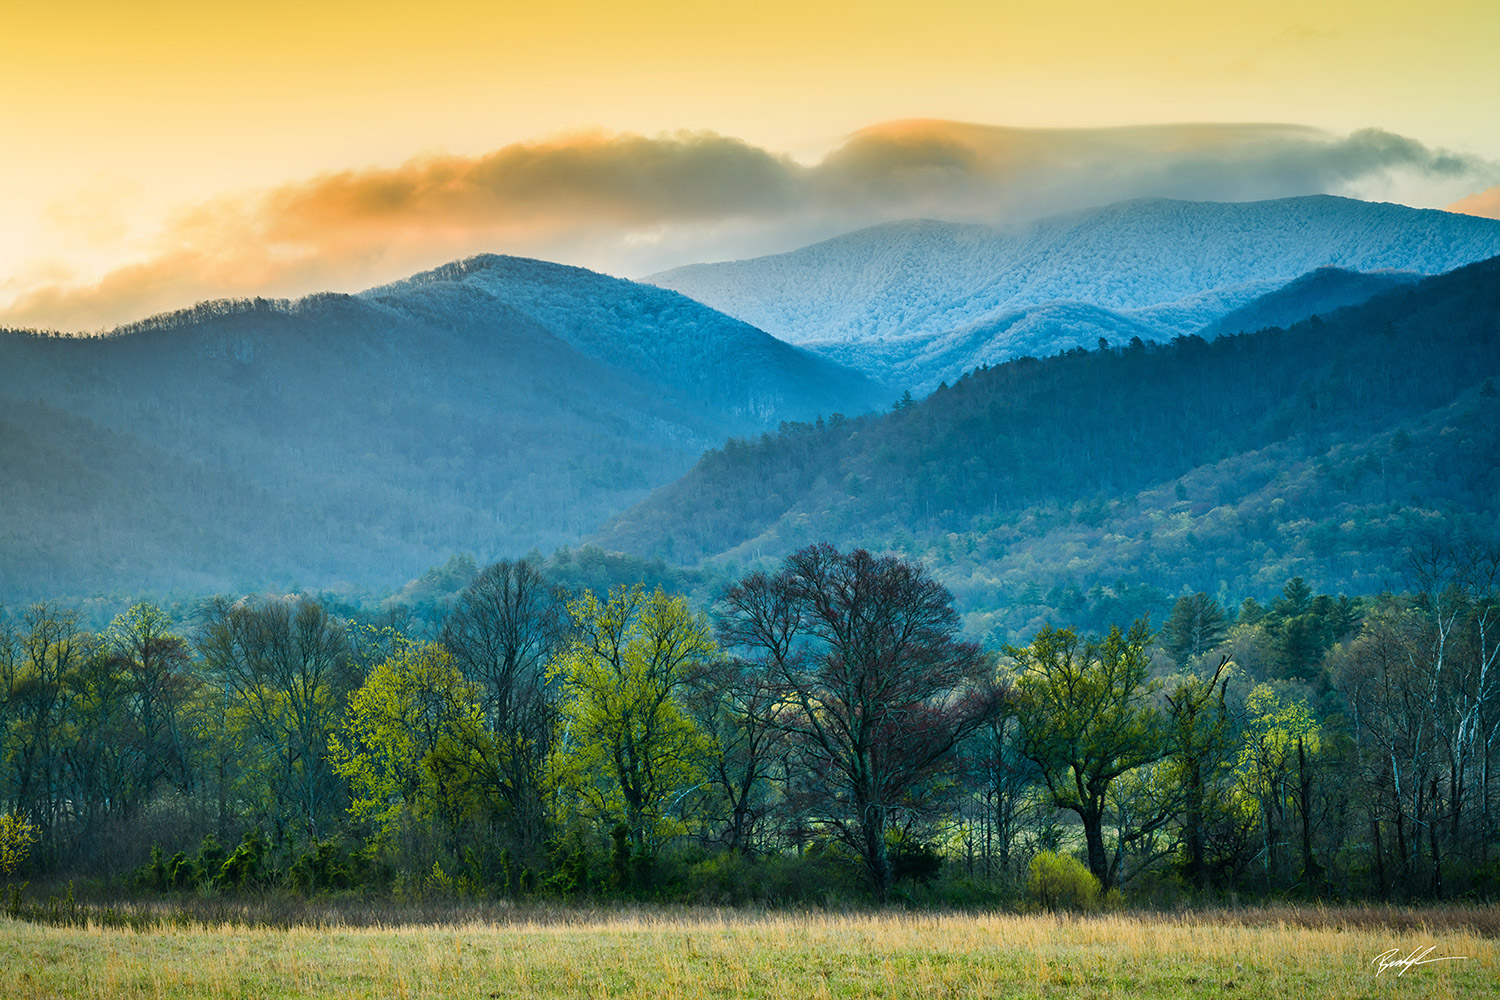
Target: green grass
{"x": 693, "y": 954}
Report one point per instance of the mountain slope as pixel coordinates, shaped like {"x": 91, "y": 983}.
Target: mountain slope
{"x": 1366, "y": 425}
{"x": 1171, "y": 267}
{"x": 492, "y": 406}
{"x": 1321, "y": 291}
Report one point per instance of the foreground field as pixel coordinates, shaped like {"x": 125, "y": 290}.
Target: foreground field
{"x": 709, "y": 954}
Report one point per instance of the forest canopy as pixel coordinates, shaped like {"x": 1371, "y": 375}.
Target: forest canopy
{"x": 821, "y": 728}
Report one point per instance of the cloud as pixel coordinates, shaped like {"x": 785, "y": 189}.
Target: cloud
{"x": 1485, "y": 203}
{"x": 632, "y": 204}
{"x": 997, "y": 172}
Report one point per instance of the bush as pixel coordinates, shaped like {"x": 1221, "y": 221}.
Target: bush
{"x": 209, "y": 860}
{"x": 321, "y": 867}
{"x": 16, "y": 837}
{"x": 915, "y": 861}
{"x": 1062, "y": 882}
{"x": 242, "y": 868}
{"x": 181, "y": 873}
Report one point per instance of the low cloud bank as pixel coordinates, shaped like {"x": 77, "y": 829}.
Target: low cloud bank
{"x": 631, "y": 204}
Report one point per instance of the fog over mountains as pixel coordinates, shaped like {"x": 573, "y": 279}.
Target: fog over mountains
{"x": 916, "y": 303}
{"x": 492, "y": 406}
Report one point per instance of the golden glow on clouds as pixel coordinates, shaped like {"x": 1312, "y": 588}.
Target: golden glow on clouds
{"x": 1486, "y": 203}
{"x": 118, "y": 118}
{"x": 629, "y": 203}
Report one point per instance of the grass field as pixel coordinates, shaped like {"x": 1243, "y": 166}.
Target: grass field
{"x": 1305, "y": 955}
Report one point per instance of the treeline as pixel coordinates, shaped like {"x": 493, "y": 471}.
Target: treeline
{"x": 820, "y": 729}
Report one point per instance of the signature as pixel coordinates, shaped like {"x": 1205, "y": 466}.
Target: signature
{"x": 1393, "y": 959}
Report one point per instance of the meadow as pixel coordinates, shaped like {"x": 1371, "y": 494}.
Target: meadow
{"x": 686, "y": 953}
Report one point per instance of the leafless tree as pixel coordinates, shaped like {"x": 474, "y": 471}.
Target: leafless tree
{"x": 505, "y": 627}
{"x": 877, "y": 690}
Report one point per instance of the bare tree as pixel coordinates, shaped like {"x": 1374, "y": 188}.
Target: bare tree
{"x": 735, "y": 703}
{"x": 288, "y": 671}
{"x": 878, "y": 689}
{"x": 507, "y": 624}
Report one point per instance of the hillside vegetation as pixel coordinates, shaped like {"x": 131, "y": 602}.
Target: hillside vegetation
{"x": 491, "y": 406}
{"x": 1224, "y": 466}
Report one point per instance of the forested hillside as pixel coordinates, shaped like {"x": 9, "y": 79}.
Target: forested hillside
{"x": 919, "y": 302}
{"x": 491, "y": 406}
{"x": 1223, "y": 466}
{"x": 1317, "y": 292}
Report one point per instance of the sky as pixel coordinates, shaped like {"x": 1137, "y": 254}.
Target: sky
{"x": 160, "y": 153}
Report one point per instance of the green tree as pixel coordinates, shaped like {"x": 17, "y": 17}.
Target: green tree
{"x": 629, "y": 750}
{"x": 16, "y": 836}
{"x": 286, "y": 669}
{"x": 506, "y": 626}
{"x": 156, "y": 665}
{"x": 412, "y": 742}
{"x": 1197, "y": 625}
{"x": 1275, "y": 769}
{"x": 1087, "y": 719}
{"x": 49, "y": 648}
{"x": 1201, "y": 752}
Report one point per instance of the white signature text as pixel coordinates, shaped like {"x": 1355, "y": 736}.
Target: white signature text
{"x": 1394, "y": 959}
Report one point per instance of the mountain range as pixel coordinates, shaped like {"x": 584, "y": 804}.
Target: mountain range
{"x": 1324, "y": 450}
{"x": 499, "y": 405}
{"x": 921, "y": 302}
{"x": 493, "y": 405}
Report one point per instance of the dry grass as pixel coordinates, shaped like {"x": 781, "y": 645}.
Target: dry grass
{"x": 1304, "y": 954}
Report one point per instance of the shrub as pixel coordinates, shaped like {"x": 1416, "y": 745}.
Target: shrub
{"x": 153, "y": 874}
{"x": 911, "y": 859}
{"x": 242, "y": 868}
{"x": 320, "y": 867}
{"x": 16, "y": 837}
{"x": 209, "y": 860}
{"x": 180, "y": 871}
{"x": 1062, "y": 882}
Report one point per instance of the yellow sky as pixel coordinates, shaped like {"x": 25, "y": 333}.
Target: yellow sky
{"x": 117, "y": 115}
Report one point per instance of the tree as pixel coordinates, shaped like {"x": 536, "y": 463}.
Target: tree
{"x": 410, "y": 742}
{"x": 629, "y": 749}
{"x": 878, "y": 690}
{"x": 736, "y": 705}
{"x": 505, "y": 628}
{"x": 1276, "y": 768}
{"x": 1197, "y": 625}
{"x": 49, "y": 648}
{"x": 156, "y": 666}
{"x": 288, "y": 669}
{"x": 1200, "y": 751}
{"x": 1087, "y": 719}
{"x": 16, "y": 836}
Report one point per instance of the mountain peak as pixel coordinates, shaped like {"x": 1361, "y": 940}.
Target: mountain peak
{"x": 1161, "y": 267}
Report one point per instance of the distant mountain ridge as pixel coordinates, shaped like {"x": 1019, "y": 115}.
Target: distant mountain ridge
{"x": 1317, "y": 292}
{"x": 892, "y": 298}
{"x": 490, "y": 406}
{"x": 1323, "y": 450}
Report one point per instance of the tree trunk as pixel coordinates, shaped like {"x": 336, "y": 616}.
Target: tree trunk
{"x": 1403, "y": 853}
{"x": 1432, "y": 844}
{"x": 1093, "y": 832}
{"x": 872, "y": 821}
{"x": 1197, "y": 868}
{"x": 1380, "y": 885}
{"x": 1310, "y": 872}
